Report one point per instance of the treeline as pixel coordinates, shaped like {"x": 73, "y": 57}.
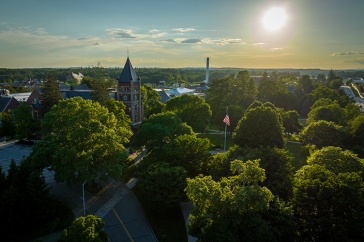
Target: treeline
{"x": 148, "y": 75}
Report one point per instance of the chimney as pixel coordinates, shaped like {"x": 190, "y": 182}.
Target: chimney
{"x": 207, "y": 69}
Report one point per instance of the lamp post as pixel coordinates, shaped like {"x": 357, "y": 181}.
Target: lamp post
{"x": 83, "y": 198}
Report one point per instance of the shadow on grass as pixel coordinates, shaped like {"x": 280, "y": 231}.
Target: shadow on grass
{"x": 300, "y": 154}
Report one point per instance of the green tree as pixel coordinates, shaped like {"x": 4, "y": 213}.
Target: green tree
{"x": 324, "y": 110}
{"x": 150, "y": 101}
{"x": 305, "y": 83}
{"x": 337, "y": 160}
{"x": 323, "y": 133}
{"x": 82, "y": 140}
{"x": 162, "y": 184}
{"x": 328, "y": 197}
{"x": 26, "y": 205}
{"x": 331, "y": 76}
{"x": 7, "y": 124}
{"x": 290, "y": 122}
{"x": 326, "y": 92}
{"x": 24, "y": 123}
{"x": 192, "y": 109}
{"x": 189, "y": 152}
{"x": 218, "y": 97}
{"x": 352, "y": 111}
{"x": 85, "y": 229}
{"x": 235, "y": 112}
{"x": 236, "y": 208}
{"x": 337, "y": 83}
{"x": 118, "y": 109}
{"x": 50, "y": 95}
{"x": 260, "y": 126}
{"x": 269, "y": 90}
{"x": 321, "y": 78}
{"x": 158, "y": 130}
{"x": 357, "y": 129}
{"x": 100, "y": 92}
{"x": 243, "y": 90}
{"x": 286, "y": 100}
{"x": 277, "y": 164}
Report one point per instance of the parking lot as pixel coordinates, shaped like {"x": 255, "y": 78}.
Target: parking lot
{"x": 12, "y": 151}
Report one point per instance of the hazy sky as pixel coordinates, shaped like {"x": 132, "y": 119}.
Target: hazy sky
{"x": 168, "y": 33}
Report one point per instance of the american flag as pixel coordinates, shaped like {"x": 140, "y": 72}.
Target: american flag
{"x": 226, "y": 119}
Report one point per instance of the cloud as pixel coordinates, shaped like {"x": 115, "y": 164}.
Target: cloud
{"x": 348, "y": 53}
{"x": 154, "y": 31}
{"x": 258, "y": 44}
{"x": 122, "y": 33}
{"x": 83, "y": 38}
{"x": 276, "y": 49}
{"x": 183, "y": 30}
{"x": 129, "y": 34}
{"x": 226, "y": 41}
{"x": 97, "y": 43}
{"x": 191, "y": 41}
{"x": 168, "y": 40}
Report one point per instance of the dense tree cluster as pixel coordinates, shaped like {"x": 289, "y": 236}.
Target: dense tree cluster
{"x": 27, "y": 209}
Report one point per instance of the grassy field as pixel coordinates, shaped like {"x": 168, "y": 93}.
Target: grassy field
{"x": 300, "y": 154}
{"x": 167, "y": 223}
{"x": 218, "y": 139}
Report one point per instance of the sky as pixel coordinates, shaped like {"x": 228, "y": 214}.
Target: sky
{"x": 326, "y": 34}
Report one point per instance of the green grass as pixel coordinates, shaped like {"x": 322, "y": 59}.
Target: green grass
{"x": 168, "y": 223}
{"x": 218, "y": 139}
{"x": 303, "y": 121}
{"x": 299, "y": 153}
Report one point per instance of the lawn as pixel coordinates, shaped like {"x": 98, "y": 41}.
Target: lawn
{"x": 299, "y": 153}
{"x": 218, "y": 139}
{"x": 167, "y": 223}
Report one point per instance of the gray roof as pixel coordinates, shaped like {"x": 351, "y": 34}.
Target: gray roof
{"x": 4, "y": 101}
{"x": 128, "y": 74}
{"x": 163, "y": 96}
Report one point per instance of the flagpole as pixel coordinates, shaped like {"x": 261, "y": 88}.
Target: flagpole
{"x": 225, "y": 132}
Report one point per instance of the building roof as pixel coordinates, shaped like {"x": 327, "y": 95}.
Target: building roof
{"x": 358, "y": 81}
{"x": 21, "y": 97}
{"x": 7, "y": 102}
{"x": 85, "y": 94}
{"x": 163, "y": 96}
{"x": 179, "y": 91}
{"x": 128, "y": 74}
{"x": 80, "y": 87}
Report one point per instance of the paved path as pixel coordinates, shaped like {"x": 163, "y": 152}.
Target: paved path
{"x": 186, "y": 208}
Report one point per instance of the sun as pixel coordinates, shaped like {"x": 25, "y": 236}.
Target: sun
{"x": 274, "y": 19}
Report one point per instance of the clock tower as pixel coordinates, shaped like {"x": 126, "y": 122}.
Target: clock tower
{"x": 129, "y": 93}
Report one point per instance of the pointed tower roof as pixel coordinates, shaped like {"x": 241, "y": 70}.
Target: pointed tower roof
{"x": 128, "y": 74}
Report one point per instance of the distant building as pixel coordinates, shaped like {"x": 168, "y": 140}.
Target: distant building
{"x": 359, "y": 81}
{"x": 75, "y": 91}
{"x": 178, "y": 91}
{"x": 35, "y": 100}
{"x": 129, "y": 93}
{"x": 73, "y": 77}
